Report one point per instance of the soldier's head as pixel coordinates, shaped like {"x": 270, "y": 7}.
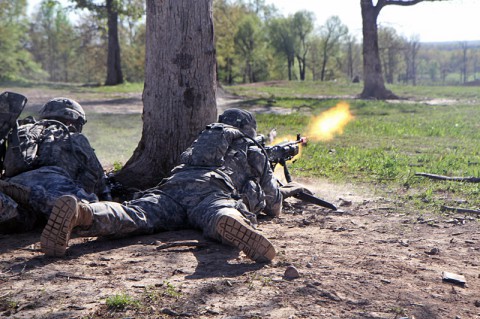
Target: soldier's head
{"x": 64, "y": 110}
{"x": 241, "y": 119}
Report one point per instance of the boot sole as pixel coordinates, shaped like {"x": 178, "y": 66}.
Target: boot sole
{"x": 252, "y": 243}
{"x": 18, "y": 193}
{"x": 56, "y": 234}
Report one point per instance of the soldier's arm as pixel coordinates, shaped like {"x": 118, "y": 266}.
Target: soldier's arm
{"x": 268, "y": 182}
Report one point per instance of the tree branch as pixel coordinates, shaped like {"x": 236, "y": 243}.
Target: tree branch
{"x": 448, "y": 178}
{"x": 460, "y": 210}
{"x": 400, "y": 2}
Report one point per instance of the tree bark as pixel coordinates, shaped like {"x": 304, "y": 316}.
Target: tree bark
{"x": 114, "y": 67}
{"x": 374, "y": 85}
{"x": 179, "y": 93}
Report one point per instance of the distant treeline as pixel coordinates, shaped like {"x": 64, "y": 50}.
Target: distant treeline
{"x": 254, "y": 42}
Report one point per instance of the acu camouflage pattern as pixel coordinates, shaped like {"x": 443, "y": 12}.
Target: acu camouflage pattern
{"x": 51, "y": 144}
{"x": 11, "y": 106}
{"x": 64, "y": 164}
{"x": 238, "y": 182}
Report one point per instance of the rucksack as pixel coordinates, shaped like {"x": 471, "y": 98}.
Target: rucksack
{"x": 23, "y": 144}
{"x": 209, "y": 149}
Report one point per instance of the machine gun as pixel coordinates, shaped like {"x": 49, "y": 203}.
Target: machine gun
{"x": 281, "y": 153}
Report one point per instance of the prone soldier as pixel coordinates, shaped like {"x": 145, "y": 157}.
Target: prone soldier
{"x": 223, "y": 182}
{"x": 44, "y": 160}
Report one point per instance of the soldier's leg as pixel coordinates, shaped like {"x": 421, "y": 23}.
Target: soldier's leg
{"x": 222, "y": 220}
{"x": 38, "y": 189}
{"x": 19, "y": 193}
{"x": 153, "y": 212}
{"x": 9, "y": 214}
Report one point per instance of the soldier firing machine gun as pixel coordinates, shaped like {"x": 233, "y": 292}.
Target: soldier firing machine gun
{"x": 281, "y": 153}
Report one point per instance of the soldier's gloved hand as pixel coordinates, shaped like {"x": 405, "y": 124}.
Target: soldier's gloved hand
{"x": 292, "y": 189}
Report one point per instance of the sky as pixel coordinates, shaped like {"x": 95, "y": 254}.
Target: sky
{"x": 453, "y": 20}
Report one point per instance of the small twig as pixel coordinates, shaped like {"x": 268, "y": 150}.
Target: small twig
{"x": 69, "y": 276}
{"x": 449, "y": 178}
{"x": 461, "y": 210}
{"x": 181, "y": 244}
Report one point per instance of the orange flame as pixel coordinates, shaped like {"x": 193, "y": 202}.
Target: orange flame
{"x": 324, "y": 126}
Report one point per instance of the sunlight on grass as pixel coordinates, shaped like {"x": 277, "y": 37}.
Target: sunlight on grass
{"x": 383, "y": 147}
{"x": 113, "y": 136}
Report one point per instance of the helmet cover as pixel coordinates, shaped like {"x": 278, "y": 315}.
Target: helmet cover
{"x": 63, "y": 109}
{"x": 241, "y": 119}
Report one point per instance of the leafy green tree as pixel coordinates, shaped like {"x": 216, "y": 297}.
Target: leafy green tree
{"x": 110, "y": 10}
{"x": 226, "y": 17}
{"x": 391, "y": 47}
{"x": 53, "y": 40}
{"x": 248, "y": 43}
{"x": 302, "y": 24}
{"x": 90, "y": 60}
{"x": 282, "y": 39}
{"x": 132, "y": 39}
{"x": 16, "y": 62}
{"x": 331, "y": 34}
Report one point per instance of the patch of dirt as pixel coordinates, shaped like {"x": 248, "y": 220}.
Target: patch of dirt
{"x": 364, "y": 261}
{"x": 367, "y": 260}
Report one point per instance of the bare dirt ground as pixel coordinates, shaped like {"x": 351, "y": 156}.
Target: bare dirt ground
{"x": 366, "y": 261}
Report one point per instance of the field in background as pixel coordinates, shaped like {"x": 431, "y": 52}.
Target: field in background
{"x": 434, "y": 130}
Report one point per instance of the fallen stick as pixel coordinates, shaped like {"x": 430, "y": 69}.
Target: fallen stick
{"x": 460, "y": 210}
{"x": 449, "y": 178}
{"x": 69, "y": 276}
{"x": 181, "y": 244}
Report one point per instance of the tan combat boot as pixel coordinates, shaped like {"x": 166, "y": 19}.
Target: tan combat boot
{"x": 235, "y": 231}
{"x": 17, "y": 192}
{"x": 67, "y": 213}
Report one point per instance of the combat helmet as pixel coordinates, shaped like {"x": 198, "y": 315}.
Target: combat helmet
{"x": 64, "y": 110}
{"x": 241, "y": 119}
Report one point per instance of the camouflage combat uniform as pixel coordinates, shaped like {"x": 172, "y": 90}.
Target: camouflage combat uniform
{"x": 64, "y": 163}
{"x": 223, "y": 172}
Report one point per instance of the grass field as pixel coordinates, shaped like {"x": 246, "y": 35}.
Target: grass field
{"x": 435, "y": 130}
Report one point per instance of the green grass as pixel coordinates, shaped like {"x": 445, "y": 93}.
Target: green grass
{"x": 297, "y": 89}
{"x": 113, "y": 136}
{"x": 121, "y": 301}
{"x": 386, "y": 144}
{"x": 383, "y": 147}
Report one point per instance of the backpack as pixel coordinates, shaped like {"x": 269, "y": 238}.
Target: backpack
{"x": 23, "y": 145}
{"x": 209, "y": 149}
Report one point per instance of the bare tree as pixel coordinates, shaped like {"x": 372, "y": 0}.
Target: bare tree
{"x": 412, "y": 47}
{"x": 390, "y": 47}
{"x": 374, "y": 85}
{"x": 464, "y": 63}
{"x": 179, "y": 93}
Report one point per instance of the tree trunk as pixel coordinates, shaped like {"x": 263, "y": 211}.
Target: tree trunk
{"x": 114, "y": 68}
{"x": 179, "y": 93}
{"x": 290, "y": 64}
{"x": 324, "y": 67}
{"x": 374, "y": 85}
